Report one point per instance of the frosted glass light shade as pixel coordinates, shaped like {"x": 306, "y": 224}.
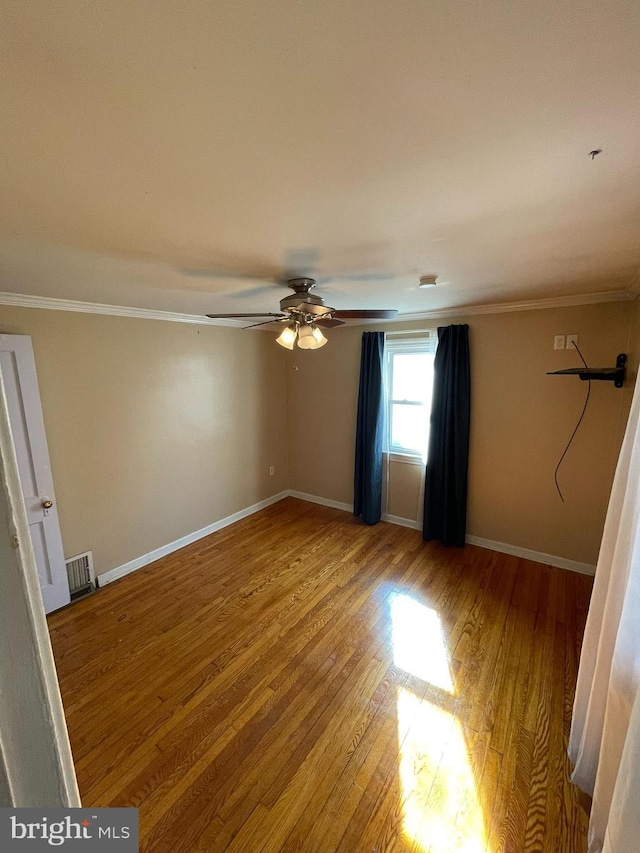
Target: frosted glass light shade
{"x": 319, "y": 337}
{"x": 306, "y": 339}
{"x": 287, "y": 338}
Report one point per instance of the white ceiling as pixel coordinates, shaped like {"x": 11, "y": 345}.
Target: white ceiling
{"x": 173, "y": 155}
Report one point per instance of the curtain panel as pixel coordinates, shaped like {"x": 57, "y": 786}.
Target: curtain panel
{"x": 367, "y": 499}
{"x": 445, "y": 495}
{"x": 604, "y": 744}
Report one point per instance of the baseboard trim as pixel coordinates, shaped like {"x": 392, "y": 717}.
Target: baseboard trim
{"x": 502, "y": 547}
{"x": 490, "y": 544}
{"x": 535, "y": 556}
{"x": 126, "y": 569}
{"x": 314, "y": 499}
{"x": 402, "y": 522}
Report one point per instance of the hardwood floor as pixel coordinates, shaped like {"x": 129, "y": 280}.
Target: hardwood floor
{"x": 300, "y": 681}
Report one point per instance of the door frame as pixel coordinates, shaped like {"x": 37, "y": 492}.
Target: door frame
{"x": 36, "y": 763}
{"x": 30, "y": 434}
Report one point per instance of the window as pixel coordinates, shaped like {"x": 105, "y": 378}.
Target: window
{"x": 409, "y": 384}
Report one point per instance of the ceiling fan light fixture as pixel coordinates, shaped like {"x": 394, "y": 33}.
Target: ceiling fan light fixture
{"x": 307, "y": 339}
{"x": 300, "y": 313}
{"x": 287, "y": 337}
{"x": 319, "y": 337}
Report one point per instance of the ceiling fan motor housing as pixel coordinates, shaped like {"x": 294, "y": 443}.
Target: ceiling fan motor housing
{"x": 302, "y": 300}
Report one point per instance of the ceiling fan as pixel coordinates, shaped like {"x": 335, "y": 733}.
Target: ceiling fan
{"x": 303, "y": 312}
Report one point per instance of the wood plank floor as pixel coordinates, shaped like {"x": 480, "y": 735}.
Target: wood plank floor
{"x": 300, "y": 681}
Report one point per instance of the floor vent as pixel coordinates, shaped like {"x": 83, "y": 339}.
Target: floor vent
{"x": 82, "y": 579}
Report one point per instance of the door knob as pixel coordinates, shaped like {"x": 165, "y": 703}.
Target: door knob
{"x": 47, "y": 504}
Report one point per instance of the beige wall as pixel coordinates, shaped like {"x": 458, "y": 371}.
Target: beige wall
{"x": 158, "y": 429}
{"x": 155, "y": 429}
{"x": 404, "y": 485}
{"x": 521, "y": 421}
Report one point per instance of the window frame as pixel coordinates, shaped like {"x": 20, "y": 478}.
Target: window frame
{"x": 426, "y": 343}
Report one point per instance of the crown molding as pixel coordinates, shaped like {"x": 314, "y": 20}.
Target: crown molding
{"x": 23, "y": 300}
{"x": 526, "y": 305}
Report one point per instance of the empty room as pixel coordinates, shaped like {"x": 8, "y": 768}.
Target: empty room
{"x": 319, "y": 436}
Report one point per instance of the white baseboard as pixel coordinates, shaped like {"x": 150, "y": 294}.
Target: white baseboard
{"x": 502, "y": 547}
{"x": 314, "y": 499}
{"x": 402, "y": 522}
{"x": 536, "y": 556}
{"x": 145, "y": 559}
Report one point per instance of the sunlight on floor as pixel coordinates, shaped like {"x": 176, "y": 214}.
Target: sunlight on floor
{"x": 440, "y": 807}
{"x": 418, "y": 643}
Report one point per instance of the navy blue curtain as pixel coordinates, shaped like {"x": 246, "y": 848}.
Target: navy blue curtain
{"x": 367, "y": 494}
{"x": 445, "y": 495}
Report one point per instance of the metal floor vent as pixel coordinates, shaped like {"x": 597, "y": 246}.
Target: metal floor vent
{"x": 82, "y": 579}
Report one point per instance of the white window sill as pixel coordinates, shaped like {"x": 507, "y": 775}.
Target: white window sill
{"x": 407, "y": 458}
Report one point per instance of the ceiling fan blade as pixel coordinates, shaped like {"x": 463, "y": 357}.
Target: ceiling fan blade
{"x": 363, "y": 276}
{"x": 212, "y": 272}
{"x": 255, "y": 314}
{"x": 328, "y": 322}
{"x": 375, "y": 314}
{"x": 268, "y": 322}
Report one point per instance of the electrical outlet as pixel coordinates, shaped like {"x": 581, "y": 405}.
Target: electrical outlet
{"x": 272, "y": 470}
{"x": 558, "y": 342}
{"x": 571, "y": 340}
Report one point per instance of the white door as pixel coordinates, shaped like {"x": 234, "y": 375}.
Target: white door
{"x": 27, "y": 426}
